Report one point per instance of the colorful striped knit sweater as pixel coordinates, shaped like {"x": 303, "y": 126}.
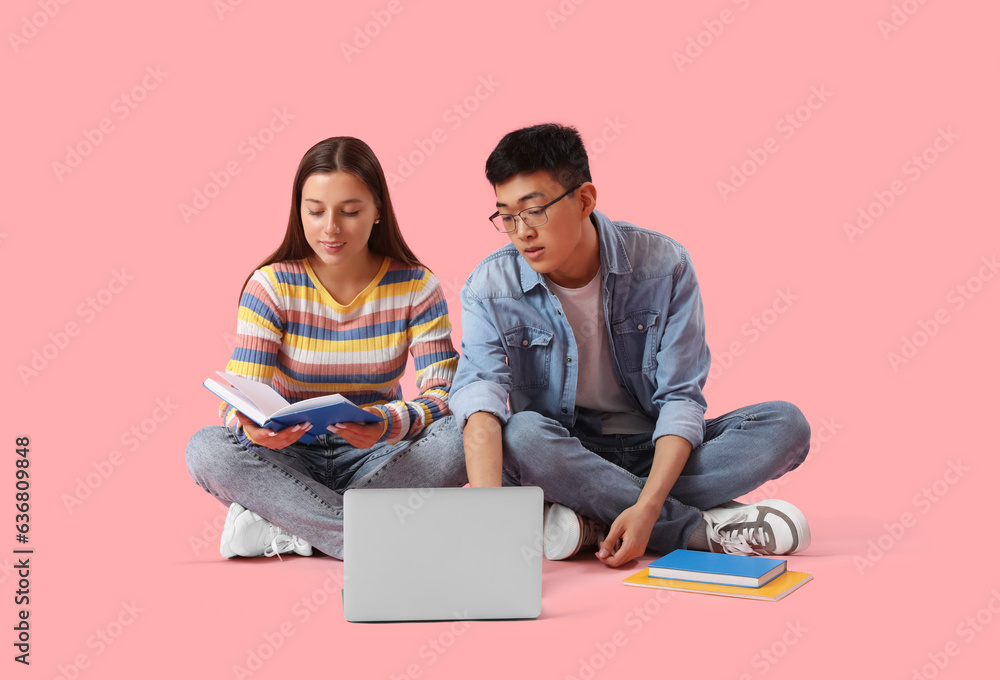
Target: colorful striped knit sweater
{"x": 292, "y": 335}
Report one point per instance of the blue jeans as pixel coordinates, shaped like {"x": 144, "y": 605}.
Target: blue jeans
{"x": 600, "y": 476}
{"x": 300, "y": 488}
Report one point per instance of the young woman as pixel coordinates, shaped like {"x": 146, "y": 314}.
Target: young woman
{"x": 336, "y": 308}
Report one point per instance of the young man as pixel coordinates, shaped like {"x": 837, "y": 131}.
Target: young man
{"x": 583, "y": 361}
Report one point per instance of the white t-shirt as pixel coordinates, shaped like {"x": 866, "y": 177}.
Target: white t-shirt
{"x": 596, "y": 387}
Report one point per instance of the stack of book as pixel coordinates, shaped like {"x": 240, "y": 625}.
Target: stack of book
{"x": 757, "y": 578}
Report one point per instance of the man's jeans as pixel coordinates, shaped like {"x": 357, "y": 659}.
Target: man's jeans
{"x": 601, "y": 476}
{"x": 300, "y": 488}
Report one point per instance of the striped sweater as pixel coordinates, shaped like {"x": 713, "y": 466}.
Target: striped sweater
{"x": 292, "y": 335}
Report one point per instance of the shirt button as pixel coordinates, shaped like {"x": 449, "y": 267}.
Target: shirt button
{"x": 640, "y": 327}
{"x": 569, "y": 360}
{"x": 565, "y": 411}
{"x": 524, "y": 343}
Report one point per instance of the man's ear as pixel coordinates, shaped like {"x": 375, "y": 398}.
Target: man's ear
{"x": 588, "y": 198}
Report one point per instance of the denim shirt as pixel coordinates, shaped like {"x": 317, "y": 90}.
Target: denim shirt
{"x": 518, "y": 347}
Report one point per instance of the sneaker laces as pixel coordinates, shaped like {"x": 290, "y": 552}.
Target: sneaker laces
{"x": 283, "y": 542}
{"x": 737, "y": 536}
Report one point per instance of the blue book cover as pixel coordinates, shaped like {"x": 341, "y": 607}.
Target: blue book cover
{"x": 720, "y": 568}
{"x": 263, "y": 405}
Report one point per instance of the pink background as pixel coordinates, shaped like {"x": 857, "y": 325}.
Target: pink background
{"x": 901, "y": 466}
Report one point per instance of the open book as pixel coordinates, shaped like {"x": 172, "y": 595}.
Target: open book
{"x": 263, "y": 405}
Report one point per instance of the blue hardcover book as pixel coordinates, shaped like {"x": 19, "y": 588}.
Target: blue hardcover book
{"x": 721, "y": 568}
{"x": 267, "y": 408}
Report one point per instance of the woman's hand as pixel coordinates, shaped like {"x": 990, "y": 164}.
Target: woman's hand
{"x": 361, "y": 435}
{"x": 270, "y": 438}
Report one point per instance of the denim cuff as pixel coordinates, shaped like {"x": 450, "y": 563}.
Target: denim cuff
{"x": 681, "y": 418}
{"x": 478, "y": 396}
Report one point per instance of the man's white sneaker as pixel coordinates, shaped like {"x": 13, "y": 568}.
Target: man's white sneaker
{"x": 247, "y": 534}
{"x": 566, "y": 532}
{"x": 769, "y": 527}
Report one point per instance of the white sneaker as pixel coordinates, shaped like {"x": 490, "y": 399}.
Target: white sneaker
{"x": 566, "y": 532}
{"x": 247, "y": 534}
{"x": 769, "y": 527}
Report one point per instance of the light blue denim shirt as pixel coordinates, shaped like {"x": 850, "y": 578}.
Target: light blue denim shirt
{"x": 518, "y": 348}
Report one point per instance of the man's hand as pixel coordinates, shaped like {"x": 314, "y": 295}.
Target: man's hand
{"x": 269, "y": 438}
{"x": 633, "y": 527}
{"x": 635, "y": 524}
{"x": 361, "y": 435}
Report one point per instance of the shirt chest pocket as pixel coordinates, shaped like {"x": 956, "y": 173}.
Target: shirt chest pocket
{"x": 529, "y": 351}
{"x": 637, "y": 339}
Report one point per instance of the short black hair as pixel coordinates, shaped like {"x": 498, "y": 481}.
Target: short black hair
{"x": 555, "y": 148}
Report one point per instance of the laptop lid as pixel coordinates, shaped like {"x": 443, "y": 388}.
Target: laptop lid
{"x": 442, "y": 554}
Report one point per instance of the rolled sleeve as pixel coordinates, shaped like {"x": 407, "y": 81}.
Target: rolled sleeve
{"x": 684, "y": 419}
{"x": 479, "y": 396}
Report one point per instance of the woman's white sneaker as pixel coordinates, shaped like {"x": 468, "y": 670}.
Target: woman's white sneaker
{"x": 247, "y": 534}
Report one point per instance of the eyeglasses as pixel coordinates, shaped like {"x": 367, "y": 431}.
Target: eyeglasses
{"x": 531, "y": 217}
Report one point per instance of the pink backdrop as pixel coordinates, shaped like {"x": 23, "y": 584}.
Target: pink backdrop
{"x": 829, "y": 166}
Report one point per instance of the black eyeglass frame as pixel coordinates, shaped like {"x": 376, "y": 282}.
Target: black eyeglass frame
{"x": 520, "y": 215}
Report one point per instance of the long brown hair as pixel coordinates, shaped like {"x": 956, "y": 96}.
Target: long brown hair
{"x": 343, "y": 154}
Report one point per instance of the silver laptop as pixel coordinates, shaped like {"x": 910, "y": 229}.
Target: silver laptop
{"x": 442, "y": 554}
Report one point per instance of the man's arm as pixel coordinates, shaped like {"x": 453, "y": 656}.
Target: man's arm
{"x": 483, "y": 449}
{"x": 635, "y": 524}
{"x": 682, "y": 362}
{"x": 479, "y": 393}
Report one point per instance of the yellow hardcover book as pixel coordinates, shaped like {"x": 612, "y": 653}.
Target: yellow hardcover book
{"x": 774, "y": 590}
